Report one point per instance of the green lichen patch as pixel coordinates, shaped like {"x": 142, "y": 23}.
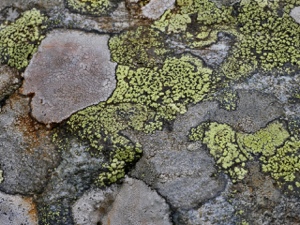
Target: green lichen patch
{"x": 228, "y": 99}
{"x": 266, "y": 36}
{"x": 143, "y": 47}
{"x": 19, "y": 40}
{"x": 198, "y": 22}
{"x": 100, "y": 126}
{"x": 275, "y": 148}
{"x": 265, "y": 141}
{"x": 1, "y": 176}
{"x": 143, "y": 100}
{"x": 221, "y": 141}
{"x": 119, "y": 162}
{"x": 267, "y": 41}
{"x": 54, "y": 213}
{"x": 93, "y": 7}
{"x": 167, "y": 90}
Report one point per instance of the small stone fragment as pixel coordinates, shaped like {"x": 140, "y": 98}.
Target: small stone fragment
{"x": 70, "y": 71}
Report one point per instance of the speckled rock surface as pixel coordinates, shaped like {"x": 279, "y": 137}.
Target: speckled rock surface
{"x": 91, "y": 208}
{"x": 70, "y": 71}
{"x": 10, "y": 81}
{"x": 182, "y": 112}
{"x": 15, "y": 209}
{"x": 143, "y": 206}
{"x": 27, "y": 154}
{"x": 27, "y": 4}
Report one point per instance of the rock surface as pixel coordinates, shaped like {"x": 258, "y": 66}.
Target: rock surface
{"x": 143, "y": 206}
{"x": 91, "y": 208}
{"x": 10, "y": 81}
{"x": 70, "y": 71}
{"x": 15, "y": 209}
{"x": 27, "y": 153}
{"x": 164, "y": 158}
{"x": 155, "y": 8}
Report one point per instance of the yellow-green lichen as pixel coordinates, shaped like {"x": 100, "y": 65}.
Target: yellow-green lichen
{"x": 201, "y": 31}
{"x": 20, "y": 39}
{"x": 266, "y": 41}
{"x": 100, "y": 125}
{"x": 265, "y": 141}
{"x": 267, "y": 38}
{"x": 143, "y": 47}
{"x": 153, "y": 87}
{"x": 143, "y": 100}
{"x": 166, "y": 90}
{"x": 273, "y": 145}
{"x": 121, "y": 159}
{"x": 228, "y": 99}
{"x": 221, "y": 141}
{"x": 90, "y": 6}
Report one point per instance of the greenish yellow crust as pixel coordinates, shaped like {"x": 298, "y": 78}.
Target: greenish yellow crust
{"x": 90, "y": 6}
{"x": 142, "y": 47}
{"x": 273, "y": 145}
{"x": 120, "y": 160}
{"x": 143, "y": 100}
{"x": 1, "y": 176}
{"x": 20, "y": 39}
{"x": 228, "y": 99}
{"x": 154, "y": 87}
{"x": 267, "y": 38}
{"x": 266, "y": 41}
{"x": 221, "y": 141}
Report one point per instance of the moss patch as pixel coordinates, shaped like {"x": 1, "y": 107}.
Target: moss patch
{"x": 19, "y": 40}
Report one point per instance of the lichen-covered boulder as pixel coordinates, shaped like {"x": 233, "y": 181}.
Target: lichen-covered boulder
{"x": 70, "y": 71}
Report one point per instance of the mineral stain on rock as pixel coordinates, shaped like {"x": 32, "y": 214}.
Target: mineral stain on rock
{"x": 70, "y": 71}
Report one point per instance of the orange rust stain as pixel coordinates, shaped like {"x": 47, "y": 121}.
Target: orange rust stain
{"x": 33, "y": 132}
{"x": 32, "y": 212}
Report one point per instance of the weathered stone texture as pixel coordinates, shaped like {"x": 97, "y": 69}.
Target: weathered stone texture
{"x": 70, "y": 71}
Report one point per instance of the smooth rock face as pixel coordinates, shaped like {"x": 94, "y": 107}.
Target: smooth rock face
{"x": 15, "y": 210}
{"x": 155, "y": 8}
{"x": 137, "y": 204}
{"x": 70, "y": 71}
{"x": 295, "y": 14}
